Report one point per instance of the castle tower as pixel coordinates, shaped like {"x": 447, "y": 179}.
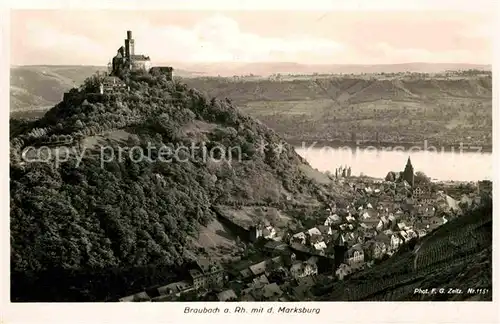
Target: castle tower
{"x": 408, "y": 173}
{"x": 129, "y": 45}
{"x": 255, "y": 232}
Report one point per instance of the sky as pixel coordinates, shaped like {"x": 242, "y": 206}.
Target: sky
{"x": 92, "y": 37}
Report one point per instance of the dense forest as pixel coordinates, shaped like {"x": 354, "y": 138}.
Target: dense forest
{"x": 88, "y": 232}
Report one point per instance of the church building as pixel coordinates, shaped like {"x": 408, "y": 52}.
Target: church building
{"x": 408, "y": 173}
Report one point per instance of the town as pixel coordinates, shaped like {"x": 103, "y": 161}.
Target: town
{"x": 284, "y": 265}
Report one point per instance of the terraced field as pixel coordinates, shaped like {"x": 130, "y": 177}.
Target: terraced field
{"x": 457, "y": 255}
{"x": 464, "y": 241}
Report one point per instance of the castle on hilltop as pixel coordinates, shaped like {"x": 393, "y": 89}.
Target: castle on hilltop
{"x": 126, "y": 59}
{"x": 115, "y": 80}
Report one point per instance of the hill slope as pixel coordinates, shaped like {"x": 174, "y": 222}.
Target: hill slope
{"x": 41, "y": 86}
{"x": 348, "y": 89}
{"x": 457, "y": 255}
{"x": 88, "y": 218}
{"x": 443, "y": 110}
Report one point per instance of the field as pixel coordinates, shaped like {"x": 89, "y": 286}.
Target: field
{"x": 249, "y": 215}
{"x": 217, "y": 240}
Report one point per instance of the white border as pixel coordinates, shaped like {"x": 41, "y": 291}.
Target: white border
{"x": 315, "y": 5}
{"x": 337, "y": 312}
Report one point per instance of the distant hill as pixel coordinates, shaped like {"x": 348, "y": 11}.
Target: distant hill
{"x": 265, "y": 68}
{"x": 394, "y": 107}
{"x": 347, "y": 90}
{"x": 35, "y": 86}
{"x": 32, "y": 87}
{"x": 444, "y": 109}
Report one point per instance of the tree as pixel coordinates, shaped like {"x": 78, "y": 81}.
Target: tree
{"x": 92, "y": 83}
{"x": 78, "y": 124}
{"x": 421, "y": 178}
{"x": 391, "y": 176}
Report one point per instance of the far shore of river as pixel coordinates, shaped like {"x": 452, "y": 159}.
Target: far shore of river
{"x": 392, "y": 146}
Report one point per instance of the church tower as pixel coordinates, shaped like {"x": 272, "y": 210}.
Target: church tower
{"x": 408, "y": 173}
{"x": 340, "y": 250}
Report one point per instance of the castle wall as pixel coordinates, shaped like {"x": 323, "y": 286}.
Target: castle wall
{"x": 167, "y": 70}
{"x": 141, "y": 65}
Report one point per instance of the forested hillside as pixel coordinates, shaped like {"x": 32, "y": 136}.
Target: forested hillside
{"x": 105, "y": 229}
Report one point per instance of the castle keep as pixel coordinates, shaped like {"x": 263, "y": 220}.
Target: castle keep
{"x": 126, "y": 59}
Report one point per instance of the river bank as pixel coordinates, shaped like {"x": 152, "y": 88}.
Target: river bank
{"x": 392, "y": 146}
{"x": 439, "y": 165}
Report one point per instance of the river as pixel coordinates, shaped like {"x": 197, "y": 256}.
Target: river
{"x": 444, "y": 166}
